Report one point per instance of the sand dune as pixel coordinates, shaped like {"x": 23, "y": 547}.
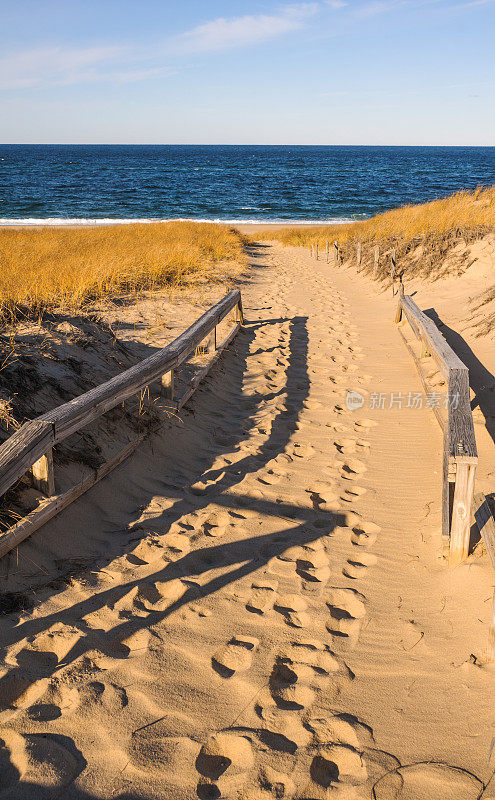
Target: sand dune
{"x": 263, "y": 611}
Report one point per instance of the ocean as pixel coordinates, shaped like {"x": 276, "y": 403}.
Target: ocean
{"x": 57, "y": 184}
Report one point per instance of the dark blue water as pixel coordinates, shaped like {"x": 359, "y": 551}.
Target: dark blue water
{"x": 229, "y": 183}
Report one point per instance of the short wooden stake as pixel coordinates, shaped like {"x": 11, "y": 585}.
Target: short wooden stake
{"x": 376, "y": 257}
{"x": 327, "y": 250}
{"x": 336, "y": 254}
{"x": 393, "y": 264}
{"x": 240, "y": 313}
{"x": 43, "y": 474}
{"x": 316, "y": 251}
{"x": 168, "y": 385}
{"x": 398, "y": 313}
{"x": 358, "y": 255}
{"x": 461, "y": 513}
{"x": 237, "y": 317}
{"x": 211, "y": 341}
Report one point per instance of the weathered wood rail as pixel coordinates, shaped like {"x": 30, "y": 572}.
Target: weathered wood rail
{"x": 30, "y": 448}
{"x": 460, "y": 455}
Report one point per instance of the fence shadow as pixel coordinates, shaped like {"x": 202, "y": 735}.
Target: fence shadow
{"x": 481, "y": 380}
{"x": 237, "y": 558}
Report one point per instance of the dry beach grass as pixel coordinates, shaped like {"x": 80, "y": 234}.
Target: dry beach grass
{"x": 423, "y": 235}
{"x": 463, "y": 212}
{"x": 44, "y": 267}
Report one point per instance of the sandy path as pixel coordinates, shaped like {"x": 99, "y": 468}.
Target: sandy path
{"x": 267, "y": 615}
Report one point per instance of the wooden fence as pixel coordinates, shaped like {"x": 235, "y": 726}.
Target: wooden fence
{"x": 30, "y": 448}
{"x": 460, "y": 455}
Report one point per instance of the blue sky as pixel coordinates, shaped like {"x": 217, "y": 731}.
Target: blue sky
{"x": 324, "y": 72}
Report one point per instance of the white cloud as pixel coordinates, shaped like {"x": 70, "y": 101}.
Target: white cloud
{"x": 59, "y": 66}
{"x": 64, "y": 66}
{"x": 223, "y": 33}
{"x": 336, "y": 4}
{"x": 56, "y": 66}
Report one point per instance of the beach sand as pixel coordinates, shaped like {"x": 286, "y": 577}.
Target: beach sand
{"x": 259, "y": 607}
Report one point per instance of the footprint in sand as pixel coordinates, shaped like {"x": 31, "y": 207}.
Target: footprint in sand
{"x": 365, "y": 424}
{"x": 289, "y": 685}
{"x": 159, "y": 595}
{"x": 37, "y": 760}
{"x": 270, "y": 477}
{"x": 58, "y": 700}
{"x": 347, "y": 610}
{"x": 335, "y": 730}
{"x": 365, "y": 534}
{"x": 353, "y": 492}
{"x": 293, "y": 608}
{"x": 345, "y": 445}
{"x": 274, "y": 785}
{"x": 352, "y": 467}
{"x": 301, "y": 450}
{"x": 235, "y": 656}
{"x": 263, "y": 596}
{"x": 314, "y": 654}
{"x": 223, "y": 763}
{"x": 146, "y": 551}
{"x": 26, "y": 681}
{"x": 216, "y": 523}
{"x": 323, "y": 493}
{"x": 338, "y": 768}
{"x": 175, "y": 545}
{"x": 311, "y": 561}
{"x": 282, "y": 728}
{"x": 357, "y": 565}
{"x": 130, "y": 645}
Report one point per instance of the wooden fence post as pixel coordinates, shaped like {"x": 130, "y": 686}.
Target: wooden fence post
{"x": 316, "y": 251}
{"x": 237, "y": 317}
{"x": 43, "y": 474}
{"x": 376, "y": 256}
{"x": 336, "y": 254}
{"x": 393, "y": 264}
{"x": 358, "y": 256}
{"x": 168, "y": 385}
{"x": 398, "y": 313}
{"x": 461, "y": 512}
{"x": 327, "y": 250}
{"x": 211, "y": 342}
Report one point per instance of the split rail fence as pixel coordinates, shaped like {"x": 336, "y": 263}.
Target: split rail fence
{"x": 460, "y": 455}
{"x": 29, "y": 450}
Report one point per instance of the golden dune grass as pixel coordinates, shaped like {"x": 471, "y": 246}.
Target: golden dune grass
{"x": 464, "y": 212}
{"x": 45, "y": 267}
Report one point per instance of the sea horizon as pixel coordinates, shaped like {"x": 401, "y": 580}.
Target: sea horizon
{"x": 102, "y": 184}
